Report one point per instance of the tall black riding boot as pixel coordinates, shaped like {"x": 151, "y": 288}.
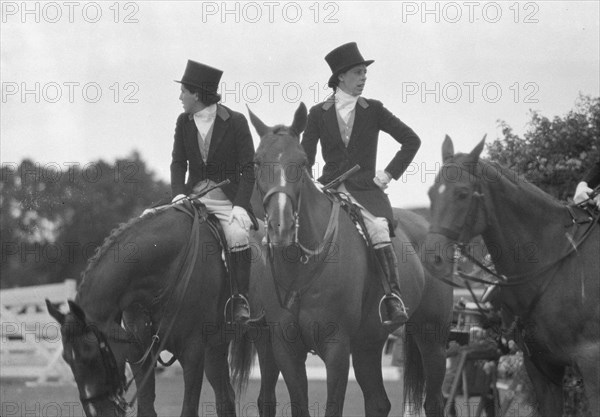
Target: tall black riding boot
{"x": 240, "y": 268}
{"x": 394, "y": 306}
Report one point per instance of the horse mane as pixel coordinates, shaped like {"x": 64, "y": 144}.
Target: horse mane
{"x": 519, "y": 181}
{"x": 110, "y": 240}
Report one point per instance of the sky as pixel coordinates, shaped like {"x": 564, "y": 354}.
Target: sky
{"x": 83, "y": 81}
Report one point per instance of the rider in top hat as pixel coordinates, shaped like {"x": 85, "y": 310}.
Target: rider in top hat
{"x": 348, "y": 127}
{"x": 213, "y": 143}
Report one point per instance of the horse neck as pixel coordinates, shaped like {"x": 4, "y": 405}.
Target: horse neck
{"x": 523, "y": 226}
{"x": 121, "y": 271}
{"x": 100, "y": 291}
{"x": 314, "y": 212}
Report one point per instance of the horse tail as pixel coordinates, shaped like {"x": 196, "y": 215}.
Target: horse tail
{"x": 241, "y": 357}
{"x": 414, "y": 376}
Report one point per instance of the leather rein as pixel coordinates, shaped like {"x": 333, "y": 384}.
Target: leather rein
{"x": 329, "y": 238}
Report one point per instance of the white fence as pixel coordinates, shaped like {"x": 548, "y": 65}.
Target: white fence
{"x": 30, "y": 343}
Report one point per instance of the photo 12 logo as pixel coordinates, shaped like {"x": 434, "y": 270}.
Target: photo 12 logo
{"x": 469, "y": 11}
{"x": 470, "y": 92}
{"x": 69, "y": 11}
{"x": 270, "y": 12}
{"x": 69, "y": 91}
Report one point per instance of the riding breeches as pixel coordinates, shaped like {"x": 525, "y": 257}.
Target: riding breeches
{"x": 377, "y": 227}
{"x": 237, "y": 236}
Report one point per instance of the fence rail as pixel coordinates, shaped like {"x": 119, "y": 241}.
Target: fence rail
{"x": 30, "y": 343}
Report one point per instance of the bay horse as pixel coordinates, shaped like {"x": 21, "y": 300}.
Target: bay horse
{"x": 162, "y": 275}
{"x": 323, "y": 292}
{"x": 548, "y": 266}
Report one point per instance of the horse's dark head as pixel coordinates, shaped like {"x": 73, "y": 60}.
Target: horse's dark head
{"x": 457, "y": 207}
{"x": 100, "y": 378}
{"x": 280, "y": 164}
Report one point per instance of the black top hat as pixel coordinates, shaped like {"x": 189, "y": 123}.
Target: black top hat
{"x": 343, "y": 58}
{"x": 201, "y": 76}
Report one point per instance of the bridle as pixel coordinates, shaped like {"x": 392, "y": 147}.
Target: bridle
{"x": 278, "y": 189}
{"x": 330, "y": 236}
{"x": 116, "y": 381}
{"x": 462, "y": 236}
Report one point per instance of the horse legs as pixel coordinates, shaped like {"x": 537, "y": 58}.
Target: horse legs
{"x": 549, "y": 396}
{"x": 431, "y": 340}
{"x": 290, "y": 357}
{"x": 192, "y": 362}
{"x": 269, "y": 373}
{"x": 337, "y": 364}
{"x": 366, "y": 361}
{"x": 136, "y": 319}
{"x": 145, "y": 383}
{"x": 588, "y": 366}
{"x": 217, "y": 373}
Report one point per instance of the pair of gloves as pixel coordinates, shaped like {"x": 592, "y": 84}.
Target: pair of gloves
{"x": 582, "y": 193}
{"x": 238, "y": 214}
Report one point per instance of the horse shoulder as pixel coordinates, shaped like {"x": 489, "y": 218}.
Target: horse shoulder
{"x": 411, "y": 224}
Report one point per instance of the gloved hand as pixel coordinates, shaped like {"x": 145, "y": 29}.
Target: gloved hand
{"x": 178, "y": 199}
{"x": 582, "y": 193}
{"x": 240, "y": 215}
{"x": 382, "y": 179}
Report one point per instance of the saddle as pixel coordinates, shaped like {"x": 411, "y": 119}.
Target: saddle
{"x": 354, "y": 212}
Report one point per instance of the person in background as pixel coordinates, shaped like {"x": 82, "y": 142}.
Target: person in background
{"x": 587, "y": 185}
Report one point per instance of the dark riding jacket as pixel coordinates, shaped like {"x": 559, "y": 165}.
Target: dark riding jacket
{"x": 370, "y": 118}
{"x": 230, "y": 156}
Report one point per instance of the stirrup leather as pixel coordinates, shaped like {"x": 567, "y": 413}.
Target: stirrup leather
{"x": 387, "y": 297}
{"x": 226, "y": 309}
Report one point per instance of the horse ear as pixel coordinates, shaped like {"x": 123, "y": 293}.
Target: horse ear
{"x": 78, "y": 311}
{"x": 55, "y": 312}
{"x": 299, "y": 123}
{"x": 447, "y": 149}
{"x": 476, "y": 152}
{"x": 261, "y": 128}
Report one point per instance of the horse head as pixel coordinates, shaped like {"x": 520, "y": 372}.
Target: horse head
{"x": 457, "y": 207}
{"x": 280, "y": 164}
{"x": 100, "y": 377}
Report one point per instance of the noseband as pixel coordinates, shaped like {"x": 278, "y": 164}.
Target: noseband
{"x": 295, "y": 208}
{"x": 295, "y": 200}
{"x": 116, "y": 385}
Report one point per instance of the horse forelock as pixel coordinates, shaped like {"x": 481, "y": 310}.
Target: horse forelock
{"x": 282, "y": 140}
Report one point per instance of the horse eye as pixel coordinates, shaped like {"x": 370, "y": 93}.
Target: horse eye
{"x": 461, "y": 195}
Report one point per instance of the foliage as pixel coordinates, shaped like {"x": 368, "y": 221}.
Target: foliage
{"x": 553, "y": 154}
{"x": 54, "y": 216}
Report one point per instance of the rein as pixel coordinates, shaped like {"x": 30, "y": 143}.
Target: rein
{"x": 184, "y": 275}
{"x": 329, "y": 237}
{"x": 116, "y": 388}
{"x": 514, "y": 280}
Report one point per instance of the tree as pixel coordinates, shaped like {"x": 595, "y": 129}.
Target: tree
{"x": 54, "y": 217}
{"x": 553, "y": 154}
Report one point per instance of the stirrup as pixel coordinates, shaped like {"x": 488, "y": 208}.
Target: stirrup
{"x": 387, "y": 297}
{"x": 229, "y": 318}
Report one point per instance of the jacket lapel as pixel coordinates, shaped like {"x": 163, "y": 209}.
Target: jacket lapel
{"x": 360, "y": 117}
{"x": 331, "y": 122}
{"x": 218, "y": 130}
{"x": 191, "y": 136}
